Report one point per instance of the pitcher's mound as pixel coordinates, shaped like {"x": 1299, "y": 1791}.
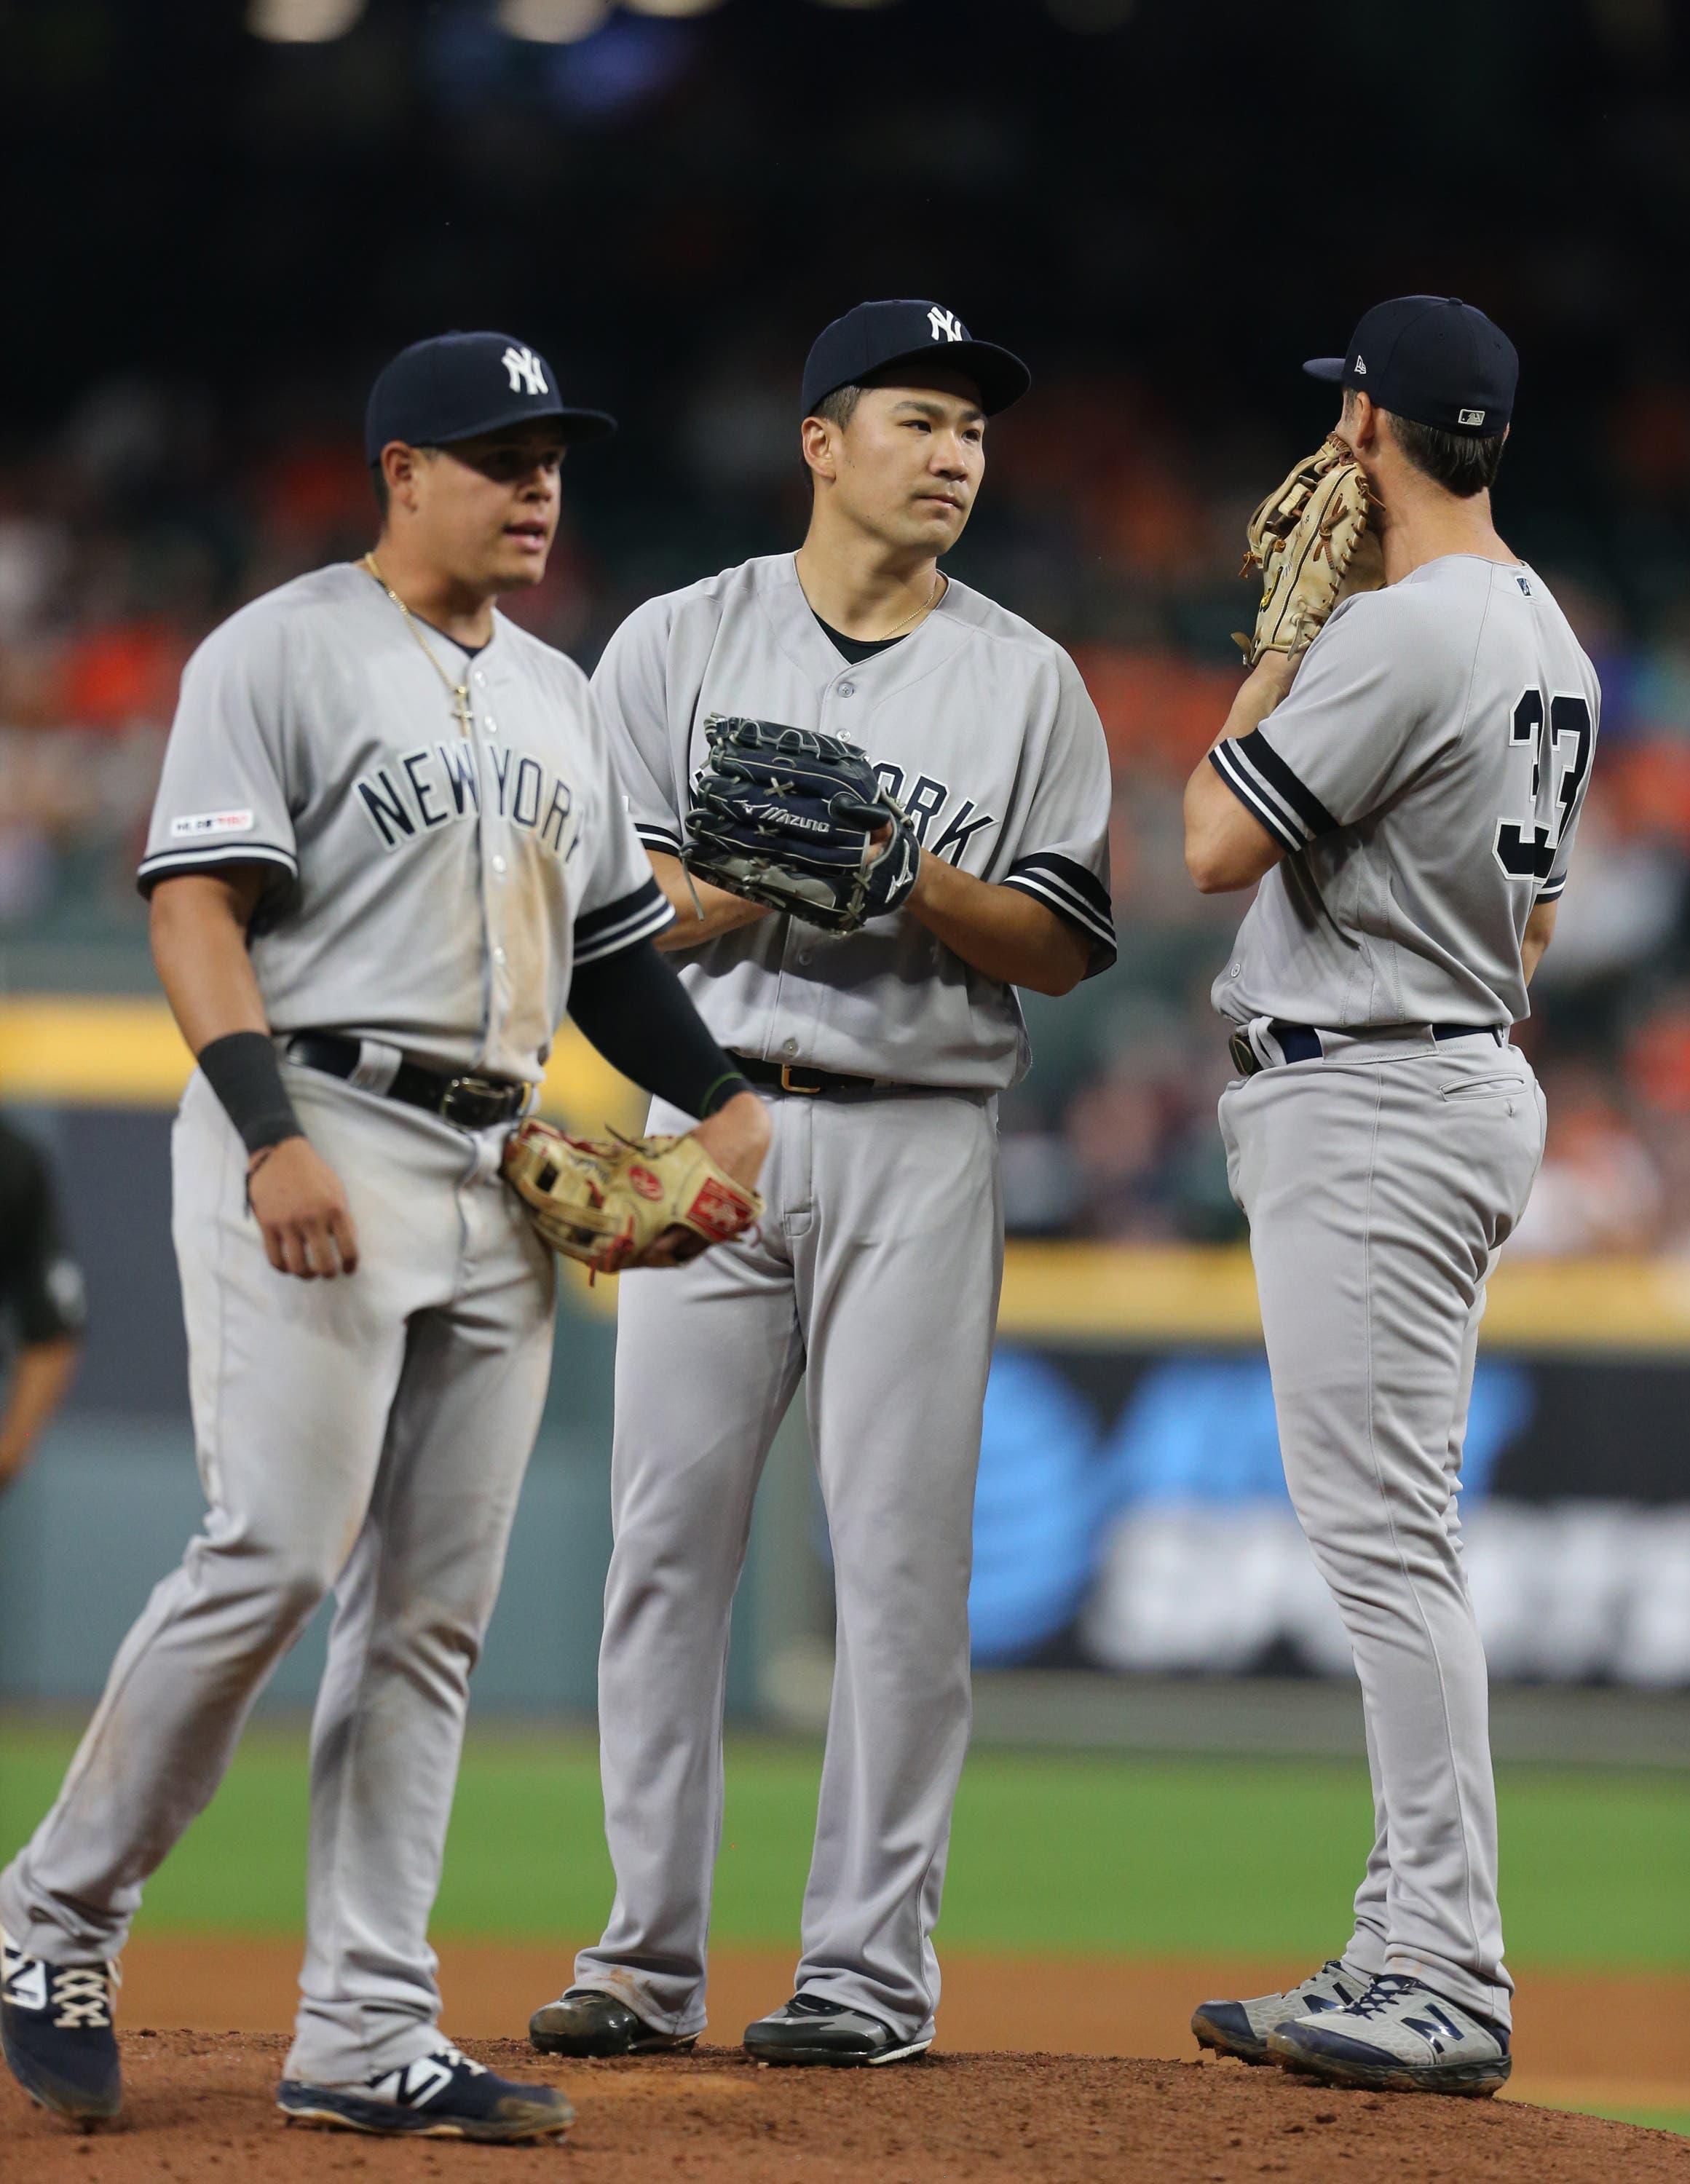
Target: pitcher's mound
{"x": 199, "y": 2111}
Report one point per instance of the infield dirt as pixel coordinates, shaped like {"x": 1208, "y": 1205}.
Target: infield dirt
{"x": 200, "y": 2112}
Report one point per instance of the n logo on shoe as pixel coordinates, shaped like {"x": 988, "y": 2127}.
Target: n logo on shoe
{"x": 26, "y": 1983}
{"x": 416, "y": 2084}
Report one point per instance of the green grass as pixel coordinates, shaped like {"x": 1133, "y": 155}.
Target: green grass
{"x": 1090, "y": 1856}
{"x": 1676, "y": 2119}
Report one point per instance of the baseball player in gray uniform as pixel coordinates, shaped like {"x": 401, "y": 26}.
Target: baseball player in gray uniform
{"x": 388, "y": 848}
{"x": 876, "y": 1272}
{"x": 1408, "y": 803}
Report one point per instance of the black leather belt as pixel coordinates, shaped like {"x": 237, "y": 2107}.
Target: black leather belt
{"x": 1302, "y": 1042}
{"x": 471, "y": 1103}
{"x": 799, "y": 1076}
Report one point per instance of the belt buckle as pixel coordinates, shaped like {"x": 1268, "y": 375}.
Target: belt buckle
{"x": 1244, "y": 1056}
{"x": 809, "y": 1091}
{"x": 471, "y": 1103}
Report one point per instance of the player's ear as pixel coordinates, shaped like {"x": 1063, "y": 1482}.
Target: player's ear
{"x": 400, "y": 465}
{"x": 819, "y": 436}
{"x": 1359, "y": 421}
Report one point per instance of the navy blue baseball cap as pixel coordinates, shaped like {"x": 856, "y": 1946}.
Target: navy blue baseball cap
{"x": 1431, "y": 358}
{"x": 458, "y": 385}
{"x": 908, "y": 331}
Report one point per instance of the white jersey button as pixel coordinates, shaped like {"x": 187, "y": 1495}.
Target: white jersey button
{"x": 492, "y": 726}
{"x": 789, "y": 1046}
{"x": 498, "y": 954}
{"x": 498, "y": 865}
{"x": 847, "y": 689}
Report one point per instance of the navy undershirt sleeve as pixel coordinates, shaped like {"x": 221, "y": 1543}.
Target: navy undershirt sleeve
{"x": 636, "y": 1011}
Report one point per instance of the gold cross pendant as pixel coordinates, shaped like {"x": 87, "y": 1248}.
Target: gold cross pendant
{"x": 460, "y": 706}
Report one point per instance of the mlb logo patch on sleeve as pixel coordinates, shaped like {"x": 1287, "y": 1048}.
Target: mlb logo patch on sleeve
{"x": 197, "y": 826}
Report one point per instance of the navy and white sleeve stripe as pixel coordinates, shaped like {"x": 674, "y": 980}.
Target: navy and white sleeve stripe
{"x": 1267, "y": 788}
{"x": 620, "y": 924}
{"x": 655, "y": 837}
{"x": 170, "y": 864}
{"x": 1068, "y": 887}
{"x": 1551, "y": 890}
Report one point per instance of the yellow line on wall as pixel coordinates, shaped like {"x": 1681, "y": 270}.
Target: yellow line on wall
{"x": 100, "y": 1052}
{"x": 1098, "y": 1293}
{"x": 67, "y": 1051}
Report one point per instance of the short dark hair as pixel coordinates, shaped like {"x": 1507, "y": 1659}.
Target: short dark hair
{"x": 838, "y": 407}
{"x": 1462, "y": 463}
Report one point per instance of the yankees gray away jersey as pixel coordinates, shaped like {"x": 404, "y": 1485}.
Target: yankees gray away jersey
{"x": 981, "y": 728}
{"x": 433, "y": 880}
{"x": 1425, "y": 773}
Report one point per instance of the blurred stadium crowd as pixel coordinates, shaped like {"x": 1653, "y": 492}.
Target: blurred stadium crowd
{"x": 165, "y": 490}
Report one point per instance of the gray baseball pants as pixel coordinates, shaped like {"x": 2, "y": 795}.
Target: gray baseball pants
{"x": 876, "y": 1274}
{"x": 1380, "y": 1182}
{"x": 367, "y": 1434}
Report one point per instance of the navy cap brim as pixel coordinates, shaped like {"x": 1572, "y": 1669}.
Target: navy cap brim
{"x": 1000, "y": 376}
{"x": 579, "y": 425}
{"x": 1326, "y": 367}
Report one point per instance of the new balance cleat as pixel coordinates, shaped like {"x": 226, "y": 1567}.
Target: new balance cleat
{"x": 1399, "y": 2037}
{"x": 442, "y": 2095}
{"x": 57, "y": 2031}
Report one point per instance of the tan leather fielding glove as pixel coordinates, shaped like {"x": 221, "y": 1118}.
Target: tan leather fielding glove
{"x": 1311, "y": 542}
{"x": 619, "y": 1202}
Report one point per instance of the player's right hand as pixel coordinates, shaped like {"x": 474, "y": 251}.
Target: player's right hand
{"x": 300, "y": 1206}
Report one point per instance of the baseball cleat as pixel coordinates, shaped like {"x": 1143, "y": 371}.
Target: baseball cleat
{"x": 1399, "y": 2037}
{"x": 1242, "y": 2028}
{"x": 809, "y": 2029}
{"x": 56, "y": 2029}
{"x": 586, "y": 2021}
{"x": 443, "y": 2095}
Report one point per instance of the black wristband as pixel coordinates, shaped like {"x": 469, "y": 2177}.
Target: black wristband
{"x": 241, "y": 1069}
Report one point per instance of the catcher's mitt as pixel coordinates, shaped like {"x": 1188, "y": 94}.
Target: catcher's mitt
{"x": 612, "y": 1202}
{"x": 1310, "y": 539}
{"x": 787, "y": 816}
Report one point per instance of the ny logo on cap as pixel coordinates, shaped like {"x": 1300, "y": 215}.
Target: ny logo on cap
{"x": 525, "y": 370}
{"x": 947, "y": 325}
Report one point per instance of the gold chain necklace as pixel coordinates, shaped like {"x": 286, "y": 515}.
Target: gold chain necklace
{"x": 926, "y": 607}
{"x": 459, "y": 691}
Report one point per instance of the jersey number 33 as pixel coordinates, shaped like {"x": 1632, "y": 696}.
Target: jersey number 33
{"x": 1559, "y": 739}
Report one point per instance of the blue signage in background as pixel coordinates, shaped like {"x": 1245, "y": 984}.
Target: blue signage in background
{"x": 1195, "y": 1435}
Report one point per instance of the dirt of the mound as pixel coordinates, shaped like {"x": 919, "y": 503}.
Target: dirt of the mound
{"x": 199, "y": 2112}
{"x": 1581, "y": 2040}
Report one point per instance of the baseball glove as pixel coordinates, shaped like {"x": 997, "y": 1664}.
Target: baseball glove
{"x": 787, "y": 816}
{"x": 1310, "y": 540}
{"x": 612, "y": 1203}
